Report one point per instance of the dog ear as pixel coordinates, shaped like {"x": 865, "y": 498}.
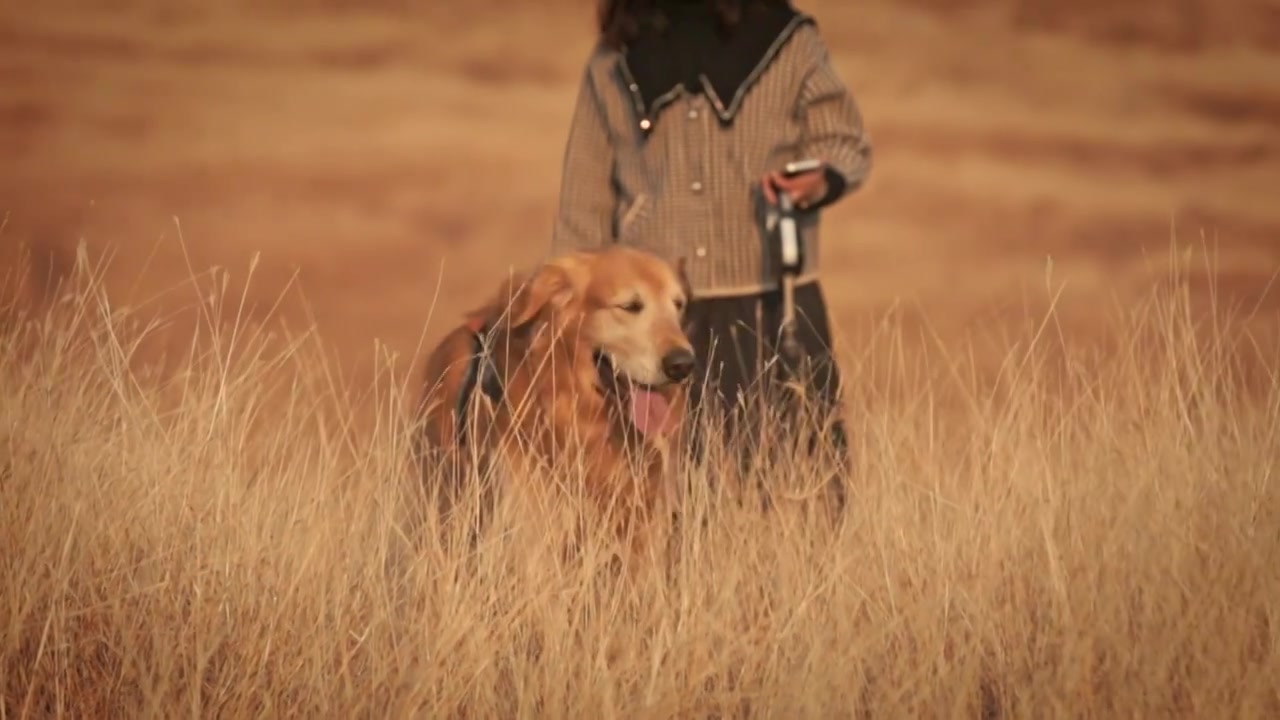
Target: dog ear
{"x": 551, "y": 286}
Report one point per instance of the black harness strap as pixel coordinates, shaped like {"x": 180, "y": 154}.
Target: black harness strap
{"x": 479, "y": 372}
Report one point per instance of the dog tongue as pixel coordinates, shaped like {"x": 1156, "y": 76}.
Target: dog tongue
{"x": 649, "y": 411}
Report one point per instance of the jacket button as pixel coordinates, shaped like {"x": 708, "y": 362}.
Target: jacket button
{"x": 696, "y": 186}
{"x": 701, "y": 252}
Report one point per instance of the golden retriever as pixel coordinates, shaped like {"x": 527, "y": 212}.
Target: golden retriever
{"x": 586, "y": 360}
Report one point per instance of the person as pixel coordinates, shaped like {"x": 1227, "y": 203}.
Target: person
{"x": 685, "y": 114}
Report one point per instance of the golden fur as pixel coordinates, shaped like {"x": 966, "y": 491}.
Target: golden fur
{"x": 547, "y": 334}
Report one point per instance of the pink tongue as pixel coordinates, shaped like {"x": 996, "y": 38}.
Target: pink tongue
{"x": 649, "y": 411}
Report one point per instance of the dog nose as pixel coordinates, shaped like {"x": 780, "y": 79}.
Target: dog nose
{"x": 678, "y": 364}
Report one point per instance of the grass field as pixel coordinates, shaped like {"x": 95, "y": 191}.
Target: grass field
{"x": 229, "y": 230}
{"x": 1092, "y": 535}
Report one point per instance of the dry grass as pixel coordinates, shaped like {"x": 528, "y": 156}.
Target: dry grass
{"x": 1091, "y": 535}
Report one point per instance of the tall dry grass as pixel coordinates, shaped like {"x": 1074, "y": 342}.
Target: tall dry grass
{"x": 1090, "y": 534}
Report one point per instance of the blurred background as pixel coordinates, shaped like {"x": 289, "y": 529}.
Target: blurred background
{"x": 393, "y": 160}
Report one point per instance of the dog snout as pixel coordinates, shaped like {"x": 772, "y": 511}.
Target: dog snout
{"x": 678, "y": 364}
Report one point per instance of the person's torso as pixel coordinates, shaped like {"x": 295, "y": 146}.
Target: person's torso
{"x": 688, "y": 166}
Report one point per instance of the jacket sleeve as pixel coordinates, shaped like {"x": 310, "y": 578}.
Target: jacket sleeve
{"x": 833, "y": 126}
{"x": 584, "y": 218}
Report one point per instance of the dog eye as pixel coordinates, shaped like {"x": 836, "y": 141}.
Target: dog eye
{"x": 680, "y": 304}
{"x": 633, "y": 306}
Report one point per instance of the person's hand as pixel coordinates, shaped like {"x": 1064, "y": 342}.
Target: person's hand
{"x": 804, "y": 189}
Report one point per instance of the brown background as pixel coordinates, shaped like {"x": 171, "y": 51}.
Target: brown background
{"x": 394, "y": 155}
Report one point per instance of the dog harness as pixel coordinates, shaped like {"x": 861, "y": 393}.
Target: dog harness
{"x": 480, "y": 371}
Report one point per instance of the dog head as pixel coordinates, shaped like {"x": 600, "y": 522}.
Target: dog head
{"x": 632, "y": 312}
{"x": 620, "y": 308}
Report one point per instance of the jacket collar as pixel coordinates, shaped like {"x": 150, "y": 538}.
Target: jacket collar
{"x": 725, "y": 72}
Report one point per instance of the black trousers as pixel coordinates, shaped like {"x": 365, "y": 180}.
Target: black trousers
{"x": 739, "y": 387}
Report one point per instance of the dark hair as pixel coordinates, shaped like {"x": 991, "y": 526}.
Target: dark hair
{"x": 620, "y": 20}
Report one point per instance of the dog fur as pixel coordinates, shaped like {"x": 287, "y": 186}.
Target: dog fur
{"x": 573, "y": 343}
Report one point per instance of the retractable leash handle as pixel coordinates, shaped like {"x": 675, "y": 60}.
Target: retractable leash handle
{"x": 788, "y": 236}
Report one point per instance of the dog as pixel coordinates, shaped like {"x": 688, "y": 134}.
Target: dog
{"x": 586, "y": 361}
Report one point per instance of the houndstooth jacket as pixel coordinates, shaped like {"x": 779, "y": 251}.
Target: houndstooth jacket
{"x": 679, "y": 174}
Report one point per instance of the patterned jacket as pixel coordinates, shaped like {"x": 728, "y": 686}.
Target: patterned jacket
{"x": 680, "y": 173}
